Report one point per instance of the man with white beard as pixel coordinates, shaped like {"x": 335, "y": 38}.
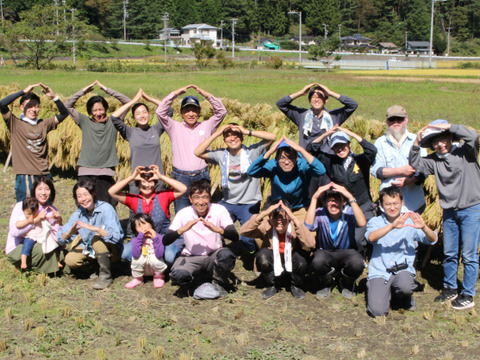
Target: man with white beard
{"x": 391, "y": 164}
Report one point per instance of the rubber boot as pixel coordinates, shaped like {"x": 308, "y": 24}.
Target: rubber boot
{"x": 295, "y": 289}
{"x": 104, "y": 273}
{"x": 326, "y": 284}
{"x": 348, "y": 286}
{"x": 271, "y": 288}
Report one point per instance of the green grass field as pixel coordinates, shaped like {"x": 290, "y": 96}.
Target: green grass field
{"x": 424, "y": 99}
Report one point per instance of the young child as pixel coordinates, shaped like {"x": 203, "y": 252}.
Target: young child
{"x": 147, "y": 251}
{"x": 42, "y": 231}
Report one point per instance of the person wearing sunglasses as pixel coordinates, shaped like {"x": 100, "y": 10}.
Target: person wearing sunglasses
{"x": 391, "y": 163}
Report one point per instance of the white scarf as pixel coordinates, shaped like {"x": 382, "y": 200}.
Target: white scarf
{"x": 326, "y": 123}
{"x": 287, "y": 255}
{"x": 30, "y": 121}
{"x": 245, "y": 162}
{"x": 395, "y": 142}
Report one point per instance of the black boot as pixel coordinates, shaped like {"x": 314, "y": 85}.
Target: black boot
{"x": 295, "y": 289}
{"x": 348, "y": 286}
{"x": 104, "y": 273}
{"x": 271, "y": 288}
{"x": 326, "y": 284}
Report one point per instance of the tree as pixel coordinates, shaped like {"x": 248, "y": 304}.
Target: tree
{"x": 319, "y": 13}
{"x": 203, "y": 53}
{"x": 325, "y": 49}
{"x": 39, "y": 39}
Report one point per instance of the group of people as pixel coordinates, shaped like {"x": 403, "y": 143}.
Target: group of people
{"x": 319, "y": 219}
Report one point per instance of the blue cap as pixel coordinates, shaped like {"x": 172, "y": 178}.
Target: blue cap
{"x": 190, "y": 100}
{"x": 283, "y": 144}
{"x": 339, "y": 137}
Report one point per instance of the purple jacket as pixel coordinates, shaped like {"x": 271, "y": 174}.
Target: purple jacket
{"x": 137, "y": 243}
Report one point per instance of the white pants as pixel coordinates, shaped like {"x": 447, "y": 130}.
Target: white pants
{"x": 147, "y": 265}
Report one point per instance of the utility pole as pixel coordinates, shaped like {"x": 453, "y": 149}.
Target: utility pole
{"x": 299, "y": 13}
{"x": 64, "y": 2}
{"x": 431, "y": 34}
{"x": 56, "y": 15}
{"x": 234, "y": 21}
{"x": 73, "y": 32}
{"x": 448, "y": 41}
{"x": 165, "y": 19}
{"x": 125, "y": 17}
{"x": 326, "y": 31}
{"x": 340, "y": 35}
{"x": 406, "y": 41}
{"x": 221, "y": 34}
{"x": 1, "y": 10}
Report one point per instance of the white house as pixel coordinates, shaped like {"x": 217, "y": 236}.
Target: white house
{"x": 195, "y": 33}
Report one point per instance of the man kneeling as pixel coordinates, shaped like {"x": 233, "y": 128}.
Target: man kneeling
{"x": 203, "y": 226}
{"x": 283, "y": 237}
{"x": 337, "y": 252}
{"x": 393, "y": 237}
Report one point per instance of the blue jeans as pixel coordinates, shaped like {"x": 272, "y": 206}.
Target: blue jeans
{"x": 27, "y": 246}
{"x": 183, "y": 201}
{"x": 461, "y": 231}
{"x": 171, "y": 252}
{"x": 243, "y": 213}
{"x": 24, "y": 183}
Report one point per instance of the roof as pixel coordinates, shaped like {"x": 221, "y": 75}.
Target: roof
{"x": 419, "y": 43}
{"x": 199, "y": 26}
{"x": 387, "y": 45}
{"x": 355, "y": 37}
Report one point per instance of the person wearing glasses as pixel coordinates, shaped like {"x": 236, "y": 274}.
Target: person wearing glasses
{"x": 290, "y": 173}
{"x": 391, "y": 163}
{"x": 203, "y": 226}
{"x": 316, "y": 120}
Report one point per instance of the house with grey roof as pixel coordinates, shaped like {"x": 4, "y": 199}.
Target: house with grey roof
{"x": 195, "y": 33}
{"x": 418, "y": 47}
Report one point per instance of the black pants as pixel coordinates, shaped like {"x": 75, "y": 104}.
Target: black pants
{"x": 264, "y": 258}
{"x": 350, "y": 260}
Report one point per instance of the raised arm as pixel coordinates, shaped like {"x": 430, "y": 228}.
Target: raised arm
{"x": 201, "y": 150}
{"x": 115, "y": 191}
{"x": 268, "y": 137}
{"x": 178, "y": 188}
{"x": 310, "y": 217}
{"x": 122, "y": 110}
{"x": 219, "y": 111}
{"x": 357, "y": 212}
{"x": 70, "y": 102}
{"x": 11, "y": 98}
{"x": 61, "y": 107}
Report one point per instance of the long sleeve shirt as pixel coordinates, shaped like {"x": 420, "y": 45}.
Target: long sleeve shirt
{"x": 297, "y": 116}
{"x": 389, "y": 156}
{"x": 140, "y": 240}
{"x": 291, "y": 186}
{"x": 98, "y": 154}
{"x": 396, "y": 247}
{"x": 356, "y": 179}
{"x": 16, "y": 235}
{"x": 104, "y": 216}
{"x": 457, "y": 174}
{"x": 186, "y": 139}
{"x": 262, "y": 229}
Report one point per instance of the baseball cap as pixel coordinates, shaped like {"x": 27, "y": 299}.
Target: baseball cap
{"x": 339, "y": 137}
{"x": 190, "y": 100}
{"x": 396, "y": 111}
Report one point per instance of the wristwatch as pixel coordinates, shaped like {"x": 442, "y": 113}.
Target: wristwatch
{"x": 352, "y": 201}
